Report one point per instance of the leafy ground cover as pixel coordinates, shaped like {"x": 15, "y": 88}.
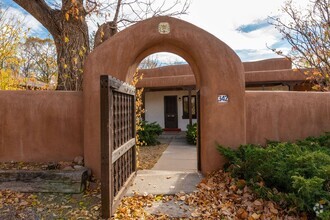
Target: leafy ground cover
{"x": 15, "y": 205}
{"x": 149, "y": 155}
{"x": 219, "y": 196}
{"x": 296, "y": 175}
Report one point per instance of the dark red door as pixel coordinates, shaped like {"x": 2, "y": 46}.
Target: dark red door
{"x": 171, "y": 112}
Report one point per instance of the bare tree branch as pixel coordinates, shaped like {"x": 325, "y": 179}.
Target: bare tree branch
{"x": 308, "y": 33}
{"x": 42, "y": 12}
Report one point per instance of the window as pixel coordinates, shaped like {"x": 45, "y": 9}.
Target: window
{"x": 186, "y": 107}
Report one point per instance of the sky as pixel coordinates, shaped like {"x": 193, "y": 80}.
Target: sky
{"x": 241, "y": 24}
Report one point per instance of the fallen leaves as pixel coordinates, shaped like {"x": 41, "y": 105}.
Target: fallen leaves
{"x": 15, "y": 205}
{"x": 219, "y": 196}
{"x": 149, "y": 155}
{"x": 19, "y": 165}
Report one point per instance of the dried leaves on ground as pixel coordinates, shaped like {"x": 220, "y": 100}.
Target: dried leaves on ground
{"x": 15, "y": 205}
{"x": 219, "y": 196}
{"x": 149, "y": 155}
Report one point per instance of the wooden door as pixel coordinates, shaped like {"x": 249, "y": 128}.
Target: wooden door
{"x": 171, "y": 111}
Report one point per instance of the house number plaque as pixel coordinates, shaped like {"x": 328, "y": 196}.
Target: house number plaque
{"x": 164, "y": 28}
{"x": 223, "y": 98}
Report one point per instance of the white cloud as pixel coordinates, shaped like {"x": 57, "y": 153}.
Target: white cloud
{"x": 222, "y": 18}
{"x": 28, "y": 20}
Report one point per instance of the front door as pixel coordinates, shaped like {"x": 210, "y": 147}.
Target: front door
{"x": 171, "y": 112}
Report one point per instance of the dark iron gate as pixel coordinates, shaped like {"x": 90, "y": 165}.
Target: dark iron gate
{"x": 118, "y": 155}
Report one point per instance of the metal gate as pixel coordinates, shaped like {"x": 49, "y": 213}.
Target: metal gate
{"x": 118, "y": 153}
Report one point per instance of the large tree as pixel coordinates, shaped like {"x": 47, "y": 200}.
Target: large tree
{"x": 66, "y": 22}
{"x": 308, "y": 32}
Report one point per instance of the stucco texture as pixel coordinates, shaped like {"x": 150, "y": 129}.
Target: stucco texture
{"x": 217, "y": 69}
{"x": 276, "y": 70}
{"x": 286, "y": 116}
{"x": 40, "y": 126}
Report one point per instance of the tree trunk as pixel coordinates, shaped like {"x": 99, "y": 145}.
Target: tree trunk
{"x": 72, "y": 45}
{"x": 70, "y": 32}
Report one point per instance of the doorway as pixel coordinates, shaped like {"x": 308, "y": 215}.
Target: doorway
{"x": 222, "y": 123}
{"x": 171, "y": 112}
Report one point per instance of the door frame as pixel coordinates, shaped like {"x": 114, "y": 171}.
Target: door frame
{"x": 176, "y": 113}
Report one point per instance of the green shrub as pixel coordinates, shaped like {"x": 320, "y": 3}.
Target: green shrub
{"x": 191, "y": 134}
{"x": 149, "y": 133}
{"x": 299, "y": 171}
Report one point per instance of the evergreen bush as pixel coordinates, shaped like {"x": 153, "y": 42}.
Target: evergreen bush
{"x": 191, "y": 134}
{"x": 299, "y": 171}
{"x": 149, "y": 132}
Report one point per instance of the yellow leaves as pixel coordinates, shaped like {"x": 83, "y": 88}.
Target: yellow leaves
{"x": 66, "y": 39}
{"x": 67, "y": 16}
{"x": 8, "y": 80}
{"x": 254, "y": 216}
{"x": 73, "y": 12}
{"x": 11, "y": 34}
{"x": 75, "y": 60}
{"x": 138, "y": 108}
{"x": 82, "y": 52}
{"x": 158, "y": 198}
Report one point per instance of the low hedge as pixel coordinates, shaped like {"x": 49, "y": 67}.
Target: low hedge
{"x": 149, "y": 133}
{"x": 296, "y": 174}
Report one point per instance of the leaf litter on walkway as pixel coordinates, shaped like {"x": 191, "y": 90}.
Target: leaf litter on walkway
{"x": 218, "y": 196}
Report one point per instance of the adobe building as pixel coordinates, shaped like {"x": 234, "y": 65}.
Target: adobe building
{"x": 168, "y": 89}
{"x": 56, "y": 126}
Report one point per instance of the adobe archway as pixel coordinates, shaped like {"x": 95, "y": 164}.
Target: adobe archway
{"x": 218, "y": 70}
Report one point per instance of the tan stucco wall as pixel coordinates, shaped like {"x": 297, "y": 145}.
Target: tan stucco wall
{"x": 285, "y": 75}
{"x": 40, "y": 125}
{"x": 268, "y": 64}
{"x": 275, "y": 70}
{"x": 286, "y": 116}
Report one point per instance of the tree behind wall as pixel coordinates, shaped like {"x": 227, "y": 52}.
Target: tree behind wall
{"x": 11, "y": 33}
{"x": 39, "y": 60}
{"x": 308, "y": 33}
{"x": 66, "y": 22}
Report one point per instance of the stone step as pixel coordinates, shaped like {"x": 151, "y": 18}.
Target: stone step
{"x": 61, "y": 181}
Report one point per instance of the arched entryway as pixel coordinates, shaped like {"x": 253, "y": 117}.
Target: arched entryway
{"x": 218, "y": 72}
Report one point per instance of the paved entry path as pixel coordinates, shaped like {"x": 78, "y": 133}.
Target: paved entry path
{"x": 179, "y": 156}
{"x": 175, "y": 171}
